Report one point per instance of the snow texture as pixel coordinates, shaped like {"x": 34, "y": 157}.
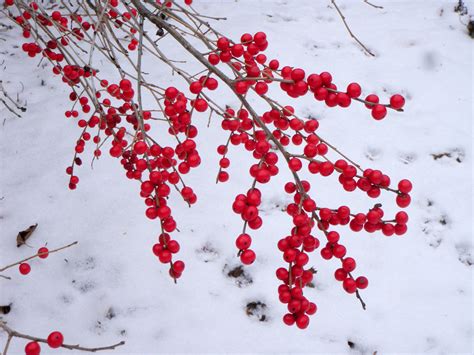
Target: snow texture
{"x": 110, "y": 286}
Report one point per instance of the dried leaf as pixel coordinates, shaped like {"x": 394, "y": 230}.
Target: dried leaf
{"x": 5, "y": 309}
{"x": 23, "y": 236}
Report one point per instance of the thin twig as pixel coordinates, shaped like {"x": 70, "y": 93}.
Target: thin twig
{"x": 366, "y": 50}
{"x": 14, "y": 334}
{"x": 37, "y": 255}
{"x": 373, "y": 5}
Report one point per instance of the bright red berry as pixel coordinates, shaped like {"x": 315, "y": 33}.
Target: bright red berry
{"x": 404, "y": 186}
{"x": 44, "y": 252}
{"x": 55, "y": 339}
{"x": 24, "y": 268}
{"x": 243, "y": 241}
{"x": 397, "y": 101}
{"x": 379, "y": 112}
{"x": 247, "y": 257}
{"x": 32, "y": 348}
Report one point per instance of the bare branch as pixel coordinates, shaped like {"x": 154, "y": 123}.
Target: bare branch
{"x": 366, "y": 50}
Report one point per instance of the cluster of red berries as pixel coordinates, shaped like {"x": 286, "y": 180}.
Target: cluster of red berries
{"x": 159, "y": 168}
{"x": 164, "y": 250}
{"x": 244, "y": 129}
{"x": 54, "y": 340}
{"x": 255, "y": 73}
{"x": 295, "y": 249}
{"x": 156, "y": 167}
{"x": 25, "y": 267}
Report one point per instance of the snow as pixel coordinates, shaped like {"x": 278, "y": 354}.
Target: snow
{"x": 110, "y": 286}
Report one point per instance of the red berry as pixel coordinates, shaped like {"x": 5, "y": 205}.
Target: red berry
{"x": 404, "y": 186}
{"x": 362, "y": 282}
{"x": 403, "y": 200}
{"x": 24, "y": 268}
{"x": 340, "y": 274}
{"x": 243, "y": 242}
{"x": 247, "y": 257}
{"x": 349, "y": 264}
{"x": 200, "y": 105}
{"x": 354, "y": 90}
{"x": 401, "y": 217}
{"x": 302, "y": 321}
{"x": 289, "y": 319}
{"x": 44, "y": 252}
{"x": 373, "y": 99}
{"x": 32, "y": 348}
{"x": 295, "y": 164}
{"x": 223, "y": 43}
{"x": 178, "y": 266}
{"x": 397, "y": 101}
{"x": 379, "y": 112}
{"x": 140, "y": 148}
{"x": 349, "y": 285}
{"x": 55, "y": 339}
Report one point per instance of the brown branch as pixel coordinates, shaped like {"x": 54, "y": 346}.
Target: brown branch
{"x": 373, "y": 5}
{"x": 14, "y": 334}
{"x": 37, "y": 255}
{"x": 366, "y": 50}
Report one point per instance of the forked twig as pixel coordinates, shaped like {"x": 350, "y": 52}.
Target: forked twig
{"x": 366, "y": 50}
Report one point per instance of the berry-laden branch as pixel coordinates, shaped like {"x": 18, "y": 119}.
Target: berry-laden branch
{"x": 125, "y": 110}
{"x": 42, "y": 253}
{"x": 54, "y": 340}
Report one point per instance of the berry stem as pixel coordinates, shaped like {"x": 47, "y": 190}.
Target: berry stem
{"x": 36, "y": 256}
{"x": 15, "y": 334}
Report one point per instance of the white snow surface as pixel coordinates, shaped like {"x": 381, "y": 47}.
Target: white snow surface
{"x": 110, "y": 287}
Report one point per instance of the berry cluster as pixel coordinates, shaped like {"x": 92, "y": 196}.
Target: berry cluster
{"x": 112, "y": 111}
{"x": 25, "y": 267}
{"x": 55, "y": 340}
{"x": 253, "y": 74}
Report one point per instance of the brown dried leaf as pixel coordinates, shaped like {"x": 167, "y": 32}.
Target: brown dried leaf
{"x": 23, "y": 236}
{"x": 5, "y": 309}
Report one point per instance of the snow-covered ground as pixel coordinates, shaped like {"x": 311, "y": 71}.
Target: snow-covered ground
{"x": 110, "y": 286}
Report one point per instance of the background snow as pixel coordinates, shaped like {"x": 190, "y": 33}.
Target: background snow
{"x": 110, "y": 287}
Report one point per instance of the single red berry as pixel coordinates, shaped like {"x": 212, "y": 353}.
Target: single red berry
{"x": 243, "y": 241}
{"x": 404, "y": 186}
{"x": 403, "y": 200}
{"x": 401, "y": 217}
{"x": 44, "y": 252}
{"x": 397, "y": 101}
{"x": 178, "y": 266}
{"x": 140, "y": 147}
{"x": 372, "y": 99}
{"x": 349, "y": 285}
{"x": 24, "y": 268}
{"x": 340, "y": 274}
{"x": 289, "y": 319}
{"x": 200, "y": 105}
{"x": 379, "y": 112}
{"x": 362, "y": 282}
{"x": 302, "y": 321}
{"x": 349, "y": 264}
{"x": 247, "y": 257}
{"x": 295, "y": 164}
{"x": 32, "y": 348}
{"x": 55, "y": 339}
{"x": 354, "y": 90}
